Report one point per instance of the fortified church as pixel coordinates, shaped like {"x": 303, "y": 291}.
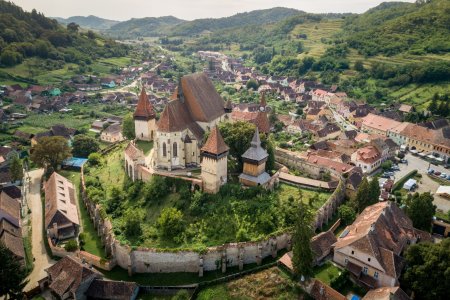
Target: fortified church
{"x": 194, "y": 109}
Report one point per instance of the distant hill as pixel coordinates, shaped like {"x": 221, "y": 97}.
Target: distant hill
{"x": 89, "y": 22}
{"x": 143, "y": 27}
{"x": 397, "y": 27}
{"x": 31, "y": 34}
{"x": 256, "y": 17}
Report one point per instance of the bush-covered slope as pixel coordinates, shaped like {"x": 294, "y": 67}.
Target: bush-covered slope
{"x": 143, "y": 27}
{"x": 28, "y": 34}
{"x": 89, "y": 22}
{"x": 393, "y": 28}
{"x": 257, "y": 17}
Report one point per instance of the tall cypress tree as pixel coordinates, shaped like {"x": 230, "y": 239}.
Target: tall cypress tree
{"x": 303, "y": 255}
{"x": 12, "y": 275}
{"x": 374, "y": 192}
{"x": 361, "y": 198}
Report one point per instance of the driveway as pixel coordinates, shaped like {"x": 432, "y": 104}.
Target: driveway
{"x": 42, "y": 260}
{"x": 426, "y": 184}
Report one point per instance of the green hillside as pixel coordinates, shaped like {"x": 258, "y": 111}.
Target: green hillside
{"x": 143, "y": 27}
{"x": 31, "y": 44}
{"x": 89, "y": 22}
{"x": 394, "y": 28}
{"x": 256, "y": 17}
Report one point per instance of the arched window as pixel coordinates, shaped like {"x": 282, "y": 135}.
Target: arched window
{"x": 175, "y": 150}
{"x": 164, "y": 150}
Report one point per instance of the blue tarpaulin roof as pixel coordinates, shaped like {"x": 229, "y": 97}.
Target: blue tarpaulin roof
{"x": 354, "y": 297}
{"x": 75, "y": 162}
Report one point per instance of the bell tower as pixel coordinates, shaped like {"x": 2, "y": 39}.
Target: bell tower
{"x": 214, "y": 162}
{"x": 144, "y": 119}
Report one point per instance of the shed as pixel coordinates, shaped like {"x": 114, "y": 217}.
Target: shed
{"x": 410, "y": 184}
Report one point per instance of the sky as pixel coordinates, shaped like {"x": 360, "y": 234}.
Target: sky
{"x": 185, "y": 9}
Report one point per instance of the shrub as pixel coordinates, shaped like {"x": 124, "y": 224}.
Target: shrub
{"x": 170, "y": 222}
{"x": 94, "y": 159}
{"x": 71, "y": 246}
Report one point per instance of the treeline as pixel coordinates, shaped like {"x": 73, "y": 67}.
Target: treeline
{"x": 24, "y": 34}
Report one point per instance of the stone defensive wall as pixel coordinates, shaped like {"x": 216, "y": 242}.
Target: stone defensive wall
{"x": 329, "y": 208}
{"x": 150, "y": 260}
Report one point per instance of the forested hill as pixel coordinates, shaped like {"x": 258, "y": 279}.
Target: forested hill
{"x": 89, "y": 22}
{"x": 143, "y": 27}
{"x": 397, "y": 27}
{"x": 256, "y": 17}
{"x": 28, "y": 34}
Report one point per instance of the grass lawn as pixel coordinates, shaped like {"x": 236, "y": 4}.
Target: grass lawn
{"x": 286, "y": 190}
{"x": 326, "y": 272}
{"x": 93, "y": 243}
{"x": 268, "y": 284}
{"x": 144, "y": 146}
{"x": 111, "y": 173}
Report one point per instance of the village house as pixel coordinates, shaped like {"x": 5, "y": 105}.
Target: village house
{"x": 374, "y": 124}
{"x": 370, "y": 248}
{"x": 386, "y": 293}
{"x": 256, "y": 115}
{"x": 61, "y": 213}
{"x": 55, "y": 130}
{"x": 112, "y": 134}
{"x": 368, "y": 158}
{"x": 10, "y": 225}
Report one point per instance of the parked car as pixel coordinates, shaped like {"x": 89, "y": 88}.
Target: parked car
{"x": 430, "y": 171}
{"x": 385, "y": 176}
{"x": 404, "y": 161}
{"x": 395, "y": 168}
{"x": 448, "y": 177}
{"x": 437, "y": 173}
{"x": 444, "y": 175}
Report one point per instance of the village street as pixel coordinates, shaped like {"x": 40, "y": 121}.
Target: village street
{"x": 42, "y": 260}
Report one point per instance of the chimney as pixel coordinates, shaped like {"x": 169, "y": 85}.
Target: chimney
{"x": 372, "y": 227}
{"x": 322, "y": 291}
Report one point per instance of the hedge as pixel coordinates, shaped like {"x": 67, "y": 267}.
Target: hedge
{"x": 399, "y": 184}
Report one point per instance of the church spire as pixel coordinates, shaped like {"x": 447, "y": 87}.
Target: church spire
{"x": 144, "y": 109}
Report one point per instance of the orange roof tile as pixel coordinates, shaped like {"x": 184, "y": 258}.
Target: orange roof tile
{"x": 144, "y": 109}
{"x": 215, "y": 143}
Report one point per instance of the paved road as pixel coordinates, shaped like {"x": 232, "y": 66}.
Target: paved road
{"x": 42, "y": 260}
{"x": 426, "y": 184}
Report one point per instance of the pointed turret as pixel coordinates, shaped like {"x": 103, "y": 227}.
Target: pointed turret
{"x": 254, "y": 159}
{"x": 256, "y": 152}
{"x": 144, "y": 109}
{"x": 215, "y": 144}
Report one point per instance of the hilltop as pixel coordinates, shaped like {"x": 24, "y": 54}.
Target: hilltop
{"x": 143, "y": 27}
{"x": 393, "y": 28}
{"x": 89, "y": 22}
{"x": 32, "y": 44}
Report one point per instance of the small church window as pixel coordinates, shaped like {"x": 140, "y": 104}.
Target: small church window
{"x": 164, "y": 150}
{"x": 175, "y": 150}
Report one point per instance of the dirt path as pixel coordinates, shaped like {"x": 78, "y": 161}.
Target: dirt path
{"x": 42, "y": 260}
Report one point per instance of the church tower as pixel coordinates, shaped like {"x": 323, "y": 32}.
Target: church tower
{"x": 254, "y": 173}
{"x": 144, "y": 119}
{"x": 214, "y": 162}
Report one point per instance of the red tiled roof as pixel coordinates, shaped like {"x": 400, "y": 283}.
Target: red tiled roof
{"x": 144, "y": 108}
{"x": 321, "y": 291}
{"x": 215, "y": 143}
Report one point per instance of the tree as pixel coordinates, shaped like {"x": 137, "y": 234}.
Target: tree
{"x": 303, "y": 255}
{"x": 73, "y": 27}
{"x": 347, "y": 214}
{"x": 128, "y": 127}
{"x": 133, "y": 220}
{"x": 49, "y": 152}
{"x": 421, "y": 211}
{"x": 427, "y": 272}
{"x": 84, "y": 145}
{"x": 170, "y": 222}
{"x": 374, "y": 192}
{"x": 16, "y": 169}
{"x": 71, "y": 246}
{"x": 359, "y": 66}
{"x": 252, "y": 84}
{"x": 360, "y": 201}
{"x": 387, "y": 165}
{"x": 94, "y": 159}
{"x": 12, "y": 275}
{"x": 433, "y": 106}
